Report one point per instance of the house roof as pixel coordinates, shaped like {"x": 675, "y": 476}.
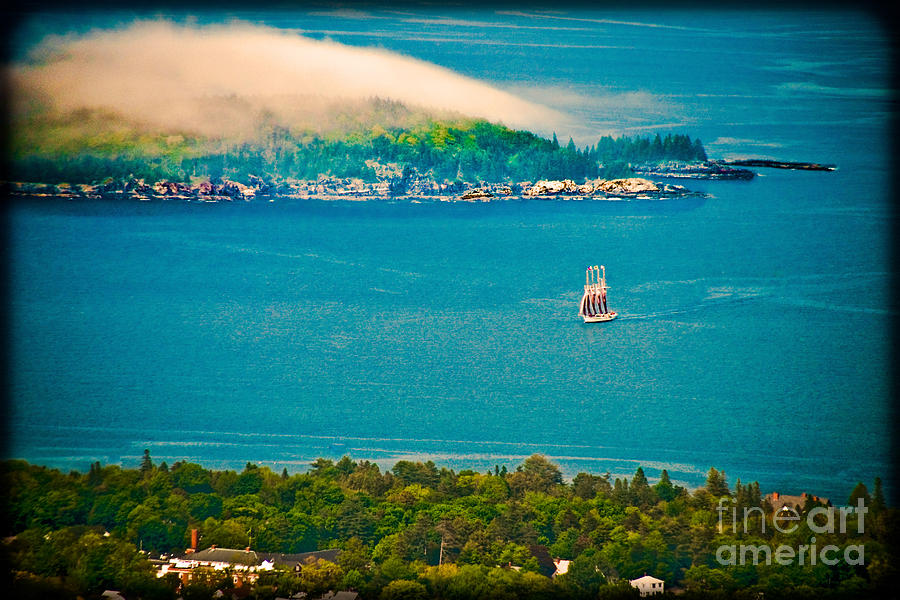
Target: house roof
{"x": 779, "y": 501}
{"x": 252, "y": 558}
{"x": 646, "y": 579}
{"x": 226, "y": 555}
{"x": 342, "y": 595}
{"x": 302, "y": 558}
{"x": 562, "y": 566}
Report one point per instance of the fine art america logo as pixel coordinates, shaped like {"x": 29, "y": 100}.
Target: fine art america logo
{"x": 787, "y": 520}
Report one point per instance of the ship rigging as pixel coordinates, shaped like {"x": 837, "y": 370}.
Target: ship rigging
{"x": 593, "y": 303}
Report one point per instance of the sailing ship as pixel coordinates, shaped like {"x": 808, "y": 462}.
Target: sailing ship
{"x": 593, "y": 302}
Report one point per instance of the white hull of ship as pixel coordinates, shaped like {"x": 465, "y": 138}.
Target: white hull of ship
{"x": 600, "y": 318}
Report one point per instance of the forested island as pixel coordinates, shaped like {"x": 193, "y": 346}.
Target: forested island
{"x": 349, "y": 140}
{"x": 368, "y": 150}
{"x": 423, "y": 531}
{"x": 376, "y": 148}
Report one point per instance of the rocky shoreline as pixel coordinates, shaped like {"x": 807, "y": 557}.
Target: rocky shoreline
{"x": 779, "y": 164}
{"x": 706, "y": 170}
{"x": 723, "y": 169}
{"x": 414, "y": 189}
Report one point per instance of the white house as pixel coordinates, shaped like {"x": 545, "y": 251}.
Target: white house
{"x": 562, "y": 566}
{"x": 648, "y": 585}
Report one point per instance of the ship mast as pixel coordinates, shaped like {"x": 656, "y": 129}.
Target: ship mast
{"x": 593, "y": 303}
{"x": 586, "y": 308}
{"x": 603, "y": 288}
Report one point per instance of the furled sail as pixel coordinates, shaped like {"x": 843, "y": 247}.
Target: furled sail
{"x": 593, "y": 306}
{"x": 588, "y": 307}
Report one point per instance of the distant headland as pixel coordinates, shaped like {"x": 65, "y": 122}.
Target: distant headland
{"x": 777, "y": 164}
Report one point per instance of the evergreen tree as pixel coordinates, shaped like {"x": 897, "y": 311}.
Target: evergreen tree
{"x": 95, "y": 475}
{"x": 656, "y": 150}
{"x": 754, "y": 496}
{"x": 620, "y": 492}
{"x": 716, "y": 484}
{"x": 641, "y": 493}
{"x": 878, "y": 503}
{"x": 146, "y": 462}
{"x": 664, "y": 488}
{"x": 860, "y": 491}
{"x": 699, "y": 151}
{"x": 639, "y": 480}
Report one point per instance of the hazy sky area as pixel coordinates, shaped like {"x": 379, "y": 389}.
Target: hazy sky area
{"x": 579, "y": 73}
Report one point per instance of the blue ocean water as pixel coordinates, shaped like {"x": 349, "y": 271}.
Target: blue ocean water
{"x": 754, "y": 331}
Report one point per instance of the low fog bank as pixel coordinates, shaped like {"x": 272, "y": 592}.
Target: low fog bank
{"x": 225, "y": 80}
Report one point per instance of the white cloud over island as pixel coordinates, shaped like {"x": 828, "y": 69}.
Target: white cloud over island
{"x": 172, "y": 75}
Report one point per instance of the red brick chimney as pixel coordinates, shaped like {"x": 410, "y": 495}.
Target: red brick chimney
{"x": 194, "y": 539}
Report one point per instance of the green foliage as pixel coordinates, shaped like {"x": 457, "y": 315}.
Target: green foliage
{"x": 91, "y": 146}
{"x": 644, "y": 150}
{"x": 415, "y": 529}
{"x": 402, "y": 589}
{"x": 585, "y": 576}
{"x": 536, "y": 474}
{"x": 86, "y": 559}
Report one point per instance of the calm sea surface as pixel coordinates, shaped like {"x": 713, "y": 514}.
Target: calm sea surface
{"x": 754, "y": 329}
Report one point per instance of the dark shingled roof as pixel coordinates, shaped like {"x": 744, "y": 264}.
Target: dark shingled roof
{"x": 226, "y": 555}
{"x": 253, "y": 558}
{"x": 344, "y": 595}
{"x": 302, "y": 558}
